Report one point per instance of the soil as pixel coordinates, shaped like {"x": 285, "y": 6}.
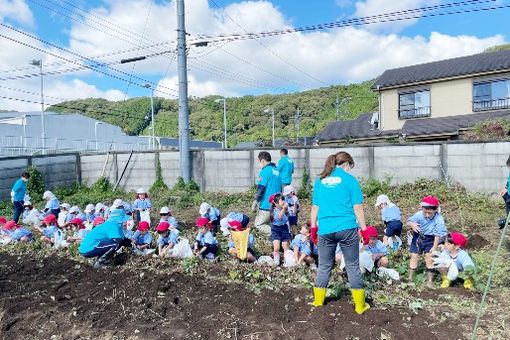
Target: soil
{"x": 56, "y": 298}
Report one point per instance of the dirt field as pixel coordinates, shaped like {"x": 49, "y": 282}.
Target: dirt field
{"x": 58, "y": 298}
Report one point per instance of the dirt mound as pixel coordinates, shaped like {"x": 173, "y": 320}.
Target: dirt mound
{"x": 60, "y": 299}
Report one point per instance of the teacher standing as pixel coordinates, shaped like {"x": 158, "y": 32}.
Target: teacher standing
{"x": 337, "y": 214}
{"x": 18, "y": 193}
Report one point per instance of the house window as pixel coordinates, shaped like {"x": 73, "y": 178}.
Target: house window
{"x": 414, "y": 104}
{"x": 492, "y": 95}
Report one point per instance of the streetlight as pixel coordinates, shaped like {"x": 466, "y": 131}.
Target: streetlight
{"x": 219, "y": 100}
{"x": 149, "y": 86}
{"x": 95, "y": 133}
{"x": 43, "y": 128}
{"x": 271, "y": 110}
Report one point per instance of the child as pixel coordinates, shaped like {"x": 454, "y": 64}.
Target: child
{"x": 375, "y": 247}
{"x": 101, "y": 210}
{"x": 390, "y": 214}
{"x": 52, "y": 205}
{"x": 211, "y": 213}
{"x": 243, "y": 219}
{"x": 6, "y": 228}
{"x": 167, "y": 239}
{"x": 428, "y": 228}
{"x": 304, "y": 248}
{"x": 506, "y": 196}
{"x": 62, "y": 215}
{"x": 206, "y": 244}
{"x": 454, "y": 253}
{"x": 292, "y": 200}
{"x": 90, "y": 213}
{"x": 236, "y": 226}
{"x": 280, "y": 234}
{"x": 142, "y": 239}
{"x": 97, "y": 221}
{"x": 77, "y": 227}
{"x": 51, "y": 232}
{"x": 18, "y": 233}
{"x": 74, "y": 212}
{"x": 141, "y": 205}
{"x": 166, "y": 216}
{"x": 31, "y": 215}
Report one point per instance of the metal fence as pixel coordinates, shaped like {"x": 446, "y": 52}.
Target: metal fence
{"x": 19, "y": 145}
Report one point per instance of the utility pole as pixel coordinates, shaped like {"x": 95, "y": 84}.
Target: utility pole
{"x": 297, "y": 125}
{"x": 43, "y": 127}
{"x": 184, "y": 152}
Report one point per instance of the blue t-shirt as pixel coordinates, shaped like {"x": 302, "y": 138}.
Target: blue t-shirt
{"x": 432, "y": 227}
{"x": 50, "y": 231}
{"x": 6, "y": 232}
{"x": 89, "y": 217}
{"x": 81, "y": 233}
{"x": 206, "y": 239}
{"x": 269, "y": 177}
{"x": 336, "y": 196}
{"x": 378, "y": 248}
{"x": 304, "y": 246}
{"x": 20, "y": 189}
{"x": 171, "y": 238}
{"x": 508, "y": 182}
{"x": 462, "y": 260}
{"x": 52, "y": 204}
{"x": 286, "y": 168}
{"x": 142, "y": 239}
{"x": 213, "y": 214}
{"x": 251, "y": 241}
{"x": 142, "y": 204}
{"x": 19, "y": 233}
{"x": 111, "y": 229}
{"x": 390, "y": 213}
{"x": 128, "y": 233}
{"x": 277, "y": 220}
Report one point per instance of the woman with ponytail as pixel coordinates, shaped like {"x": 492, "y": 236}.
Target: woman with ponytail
{"x": 337, "y": 214}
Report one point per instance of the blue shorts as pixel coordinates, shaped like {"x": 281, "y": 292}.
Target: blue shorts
{"x": 393, "y": 228}
{"x": 280, "y": 233}
{"x": 293, "y": 220}
{"x": 421, "y": 243}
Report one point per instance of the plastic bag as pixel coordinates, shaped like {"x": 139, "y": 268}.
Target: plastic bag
{"x": 240, "y": 239}
{"x": 453, "y": 272}
{"x": 265, "y": 260}
{"x": 388, "y": 272}
{"x": 288, "y": 258}
{"x": 182, "y": 250}
{"x": 59, "y": 240}
{"x": 145, "y": 216}
{"x": 366, "y": 263}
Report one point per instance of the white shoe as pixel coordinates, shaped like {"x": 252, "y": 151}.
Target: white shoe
{"x": 276, "y": 259}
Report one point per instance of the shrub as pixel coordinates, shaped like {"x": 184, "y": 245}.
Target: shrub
{"x": 305, "y": 191}
{"x": 159, "y": 184}
{"x": 35, "y": 185}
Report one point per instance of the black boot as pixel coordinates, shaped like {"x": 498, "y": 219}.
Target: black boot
{"x": 501, "y": 222}
{"x": 104, "y": 260}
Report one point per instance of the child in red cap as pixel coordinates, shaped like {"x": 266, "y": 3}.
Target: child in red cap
{"x": 453, "y": 254}
{"x": 77, "y": 228}
{"x": 51, "y": 232}
{"x": 206, "y": 244}
{"x": 4, "y": 232}
{"x": 236, "y": 226}
{"x": 375, "y": 247}
{"x": 18, "y": 233}
{"x": 167, "y": 239}
{"x": 142, "y": 239}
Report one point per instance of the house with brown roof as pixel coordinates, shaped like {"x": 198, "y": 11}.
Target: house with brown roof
{"x": 434, "y": 101}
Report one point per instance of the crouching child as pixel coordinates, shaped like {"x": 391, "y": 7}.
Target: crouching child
{"x": 206, "y": 245}
{"x": 453, "y": 254}
{"x": 18, "y": 233}
{"x": 241, "y": 242}
{"x": 51, "y": 232}
{"x": 167, "y": 239}
{"x": 303, "y": 248}
{"x": 142, "y": 240}
{"x": 375, "y": 247}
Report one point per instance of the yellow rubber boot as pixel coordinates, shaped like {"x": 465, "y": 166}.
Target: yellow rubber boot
{"x": 445, "y": 283}
{"x": 468, "y": 283}
{"x": 319, "y": 295}
{"x": 358, "y": 296}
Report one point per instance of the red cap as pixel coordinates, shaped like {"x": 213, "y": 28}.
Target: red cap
{"x": 271, "y": 198}
{"x": 50, "y": 219}
{"x": 458, "y": 239}
{"x": 9, "y": 225}
{"x": 3, "y": 219}
{"x": 429, "y": 201}
{"x": 371, "y": 231}
{"x": 78, "y": 222}
{"x": 143, "y": 226}
{"x": 235, "y": 225}
{"x": 163, "y": 226}
{"x": 202, "y": 222}
{"x": 97, "y": 221}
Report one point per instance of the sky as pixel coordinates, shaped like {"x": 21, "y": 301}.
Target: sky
{"x": 95, "y": 32}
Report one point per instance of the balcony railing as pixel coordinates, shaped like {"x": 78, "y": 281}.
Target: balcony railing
{"x": 491, "y": 104}
{"x": 414, "y": 113}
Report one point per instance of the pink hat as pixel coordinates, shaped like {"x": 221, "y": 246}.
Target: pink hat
{"x": 235, "y": 225}
{"x": 371, "y": 231}
{"x": 163, "y": 226}
{"x": 458, "y": 239}
{"x": 10, "y": 225}
{"x": 143, "y": 226}
{"x": 50, "y": 219}
{"x": 3, "y": 219}
{"x": 202, "y": 222}
{"x": 429, "y": 201}
{"x": 97, "y": 221}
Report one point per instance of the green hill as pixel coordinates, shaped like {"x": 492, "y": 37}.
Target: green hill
{"x": 246, "y": 118}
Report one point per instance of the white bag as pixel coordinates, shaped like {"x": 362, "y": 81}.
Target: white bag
{"x": 145, "y": 216}
{"x": 388, "y": 272}
{"x": 59, "y": 239}
{"x": 265, "y": 260}
{"x": 365, "y": 262}
{"x": 453, "y": 272}
{"x": 288, "y": 258}
{"x": 182, "y": 250}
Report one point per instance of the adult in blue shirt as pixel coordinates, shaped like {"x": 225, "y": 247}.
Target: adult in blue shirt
{"x": 506, "y": 197}
{"x": 105, "y": 239}
{"x": 268, "y": 183}
{"x": 336, "y": 215}
{"x": 19, "y": 190}
{"x": 286, "y": 167}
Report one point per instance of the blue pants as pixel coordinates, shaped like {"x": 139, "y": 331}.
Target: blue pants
{"x": 393, "y": 228}
{"x": 17, "y": 210}
{"x": 102, "y": 248}
{"x": 349, "y": 244}
{"x": 506, "y": 198}
{"x": 421, "y": 243}
{"x": 280, "y": 233}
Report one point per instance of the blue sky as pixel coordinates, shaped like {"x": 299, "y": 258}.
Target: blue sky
{"x": 272, "y": 65}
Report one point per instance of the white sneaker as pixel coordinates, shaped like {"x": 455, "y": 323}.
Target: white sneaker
{"x": 276, "y": 258}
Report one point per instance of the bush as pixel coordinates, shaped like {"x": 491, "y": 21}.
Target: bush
{"x": 35, "y": 185}
{"x": 305, "y": 191}
{"x": 159, "y": 184}
{"x": 372, "y": 186}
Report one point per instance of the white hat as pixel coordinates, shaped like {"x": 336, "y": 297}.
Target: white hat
{"x": 66, "y": 206}
{"x": 382, "y": 199}
{"x": 164, "y": 210}
{"x": 117, "y": 203}
{"x": 287, "y": 190}
{"x": 204, "y": 207}
{"x": 89, "y": 208}
{"x": 27, "y": 203}
{"x": 74, "y": 209}
{"x": 224, "y": 223}
{"x": 47, "y": 195}
{"x": 141, "y": 191}
{"x": 99, "y": 206}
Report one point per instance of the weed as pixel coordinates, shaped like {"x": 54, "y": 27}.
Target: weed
{"x": 190, "y": 265}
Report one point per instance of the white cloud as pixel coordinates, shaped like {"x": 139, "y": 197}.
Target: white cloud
{"x": 16, "y": 10}
{"x": 196, "y": 87}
